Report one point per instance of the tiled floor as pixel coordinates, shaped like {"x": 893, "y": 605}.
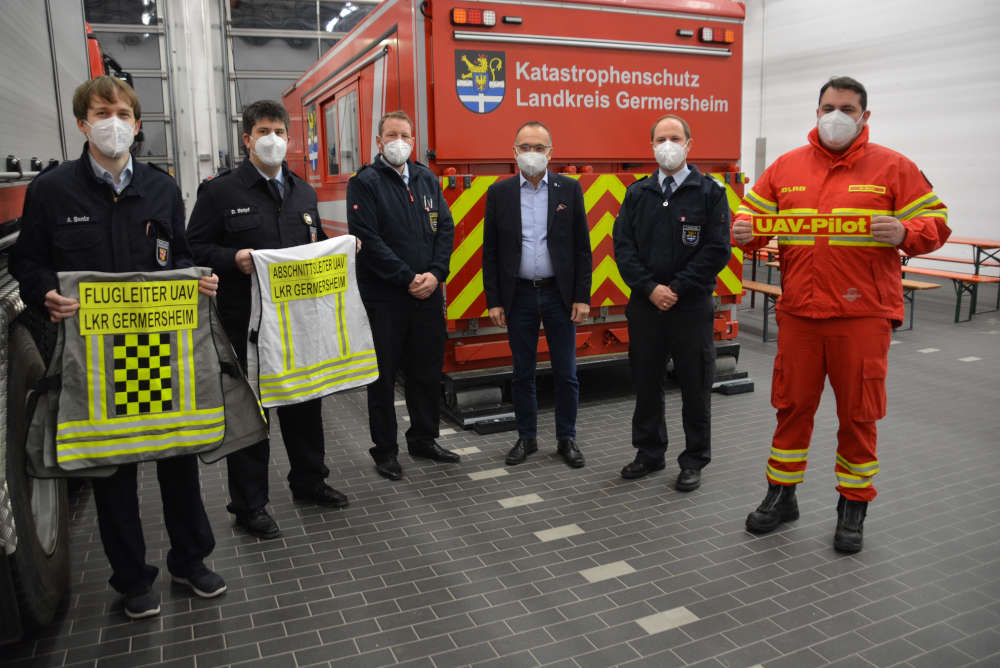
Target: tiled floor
{"x": 486, "y": 565}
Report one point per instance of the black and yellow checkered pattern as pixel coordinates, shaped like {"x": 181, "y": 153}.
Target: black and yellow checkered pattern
{"x": 142, "y": 374}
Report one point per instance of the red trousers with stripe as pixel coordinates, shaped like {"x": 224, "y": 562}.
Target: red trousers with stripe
{"x": 853, "y": 354}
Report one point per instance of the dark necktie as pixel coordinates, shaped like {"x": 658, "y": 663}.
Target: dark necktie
{"x": 668, "y": 186}
{"x": 275, "y": 189}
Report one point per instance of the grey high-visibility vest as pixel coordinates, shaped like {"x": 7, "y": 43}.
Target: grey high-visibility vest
{"x": 142, "y": 371}
{"x": 309, "y": 333}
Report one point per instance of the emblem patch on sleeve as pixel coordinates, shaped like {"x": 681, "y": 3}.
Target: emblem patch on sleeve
{"x": 690, "y": 234}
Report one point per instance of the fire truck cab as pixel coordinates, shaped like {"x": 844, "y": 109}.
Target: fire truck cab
{"x": 470, "y": 72}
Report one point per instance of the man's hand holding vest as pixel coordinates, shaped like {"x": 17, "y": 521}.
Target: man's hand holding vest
{"x": 208, "y": 285}
{"x": 60, "y": 307}
{"x": 243, "y": 260}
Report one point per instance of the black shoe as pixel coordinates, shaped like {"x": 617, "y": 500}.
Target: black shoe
{"x": 142, "y": 603}
{"x": 640, "y": 466}
{"x": 778, "y": 506}
{"x": 258, "y": 523}
{"x": 203, "y": 582}
{"x": 322, "y": 495}
{"x": 850, "y": 525}
{"x": 390, "y": 469}
{"x": 521, "y": 450}
{"x": 434, "y": 451}
{"x": 688, "y": 480}
{"x": 570, "y": 453}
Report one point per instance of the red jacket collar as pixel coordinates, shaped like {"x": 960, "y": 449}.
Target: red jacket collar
{"x": 848, "y": 157}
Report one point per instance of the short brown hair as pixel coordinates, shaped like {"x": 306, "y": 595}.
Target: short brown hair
{"x": 684, "y": 124}
{"x": 108, "y": 88}
{"x": 400, "y": 114}
{"x": 846, "y": 83}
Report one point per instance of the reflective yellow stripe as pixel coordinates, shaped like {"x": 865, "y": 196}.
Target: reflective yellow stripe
{"x": 868, "y": 469}
{"x": 863, "y": 212}
{"x": 342, "y": 326}
{"x": 166, "y": 418}
{"x": 348, "y": 375}
{"x": 148, "y": 432}
{"x": 853, "y": 241}
{"x": 789, "y": 455}
{"x": 291, "y": 347}
{"x": 314, "y": 370}
{"x": 764, "y": 205}
{"x": 91, "y": 381}
{"x": 784, "y": 476}
{"x": 209, "y": 436}
{"x": 922, "y": 202}
{"x": 853, "y": 481}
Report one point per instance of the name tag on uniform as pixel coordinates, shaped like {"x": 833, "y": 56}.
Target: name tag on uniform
{"x": 74, "y": 220}
{"x": 237, "y": 211}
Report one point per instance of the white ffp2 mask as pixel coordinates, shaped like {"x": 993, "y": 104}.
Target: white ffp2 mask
{"x": 532, "y": 163}
{"x": 270, "y": 149}
{"x": 112, "y": 136}
{"x": 396, "y": 152}
{"x": 837, "y": 130}
{"x": 669, "y": 155}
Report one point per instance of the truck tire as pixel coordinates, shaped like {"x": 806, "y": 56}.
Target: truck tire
{"x": 40, "y": 564}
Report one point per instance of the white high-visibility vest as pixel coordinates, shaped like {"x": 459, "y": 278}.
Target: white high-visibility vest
{"x": 309, "y": 334}
{"x": 140, "y": 376}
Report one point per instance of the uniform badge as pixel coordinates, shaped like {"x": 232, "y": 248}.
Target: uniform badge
{"x": 690, "y": 234}
{"x": 162, "y": 252}
{"x": 308, "y": 220}
{"x": 433, "y": 215}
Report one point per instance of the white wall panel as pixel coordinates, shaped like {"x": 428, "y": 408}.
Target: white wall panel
{"x": 932, "y": 70}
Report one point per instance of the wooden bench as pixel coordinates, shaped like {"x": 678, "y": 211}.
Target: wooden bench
{"x": 910, "y": 288}
{"x": 945, "y": 258}
{"x": 770, "y": 293}
{"x": 964, "y": 284}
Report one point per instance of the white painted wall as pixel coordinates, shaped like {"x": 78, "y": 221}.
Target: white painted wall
{"x": 932, "y": 70}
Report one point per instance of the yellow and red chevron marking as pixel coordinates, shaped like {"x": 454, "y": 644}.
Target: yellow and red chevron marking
{"x": 602, "y": 195}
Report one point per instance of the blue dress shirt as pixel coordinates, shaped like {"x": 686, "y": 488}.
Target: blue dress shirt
{"x": 535, "y": 259}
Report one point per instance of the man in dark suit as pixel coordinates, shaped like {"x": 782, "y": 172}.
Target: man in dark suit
{"x": 536, "y": 267}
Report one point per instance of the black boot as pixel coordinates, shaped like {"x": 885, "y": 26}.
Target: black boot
{"x": 850, "y": 525}
{"x": 778, "y": 506}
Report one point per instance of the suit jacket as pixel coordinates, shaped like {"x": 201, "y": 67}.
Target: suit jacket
{"x": 568, "y": 241}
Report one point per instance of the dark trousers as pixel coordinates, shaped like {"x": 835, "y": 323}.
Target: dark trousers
{"x": 117, "y": 501}
{"x": 685, "y": 336}
{"x": 409, "y": 336}
{"x": 530, "y": 307}
{"x": 302, "y": 433}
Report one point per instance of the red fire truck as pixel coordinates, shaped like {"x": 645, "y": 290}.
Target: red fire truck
{"x": 469, "y": 72}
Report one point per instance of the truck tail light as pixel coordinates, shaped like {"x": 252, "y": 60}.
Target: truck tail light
{"x": 464, "y": 16}
{"x": 717, "y": 36}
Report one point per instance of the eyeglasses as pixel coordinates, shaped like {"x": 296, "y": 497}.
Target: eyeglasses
{"x": 537, "y": 148}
